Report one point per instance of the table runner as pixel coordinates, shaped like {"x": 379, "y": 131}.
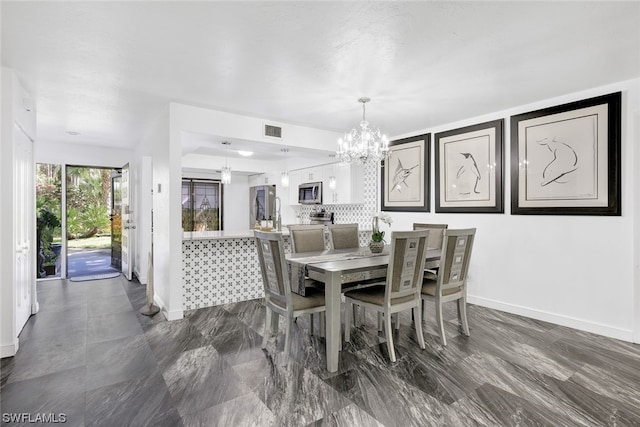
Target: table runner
{"x": 298, "y": 266}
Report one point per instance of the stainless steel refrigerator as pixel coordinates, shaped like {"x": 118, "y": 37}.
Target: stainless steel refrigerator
{"x": 262, "y": 203}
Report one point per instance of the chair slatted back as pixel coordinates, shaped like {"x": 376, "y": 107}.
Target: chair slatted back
{"x": 436, "y": 235}
{"x": 454, "y": 262}
{"x": 344, "y": 236}
{"x": 306, "y": 238}
{"x": 406, "y": 264}
{"x": 275, "y": 277}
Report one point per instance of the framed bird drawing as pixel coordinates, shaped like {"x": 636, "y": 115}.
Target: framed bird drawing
{"x": 405, "y": 175}
{"x": 468, "y": 169}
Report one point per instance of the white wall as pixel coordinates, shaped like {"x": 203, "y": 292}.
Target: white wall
{"x": 80, "y": 154}
{"x": 8, "y": 340}
{"x": 578, "y": 271}
{"x": 12, "y": 98}
{"x": 235, "y": 197}
{"x": 167, "y": 236}
{"x": 141, "y": 193}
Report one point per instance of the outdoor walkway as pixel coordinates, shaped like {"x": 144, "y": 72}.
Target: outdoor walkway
{"x": 87, "y": 262}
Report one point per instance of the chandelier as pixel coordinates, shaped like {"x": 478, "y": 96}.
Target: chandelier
{"x": 363, "y": 145}
{"x": 226, "y": 170}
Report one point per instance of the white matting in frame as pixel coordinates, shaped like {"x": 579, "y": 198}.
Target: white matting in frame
{"x": 468, "y": 169}
{"x": 563, "y": 159}
{"x": 404, "y": 175}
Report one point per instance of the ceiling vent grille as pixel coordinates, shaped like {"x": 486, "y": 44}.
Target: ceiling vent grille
{"x": 272, "y": 131}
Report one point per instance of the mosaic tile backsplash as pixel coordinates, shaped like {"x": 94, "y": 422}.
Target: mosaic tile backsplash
{"x": 221, "y": 271}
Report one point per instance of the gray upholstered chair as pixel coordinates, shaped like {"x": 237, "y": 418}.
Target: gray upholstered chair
{"x": 401, "y": 290}
{"x": 278, "y": 297}
{"x": 306, "y": 238}
{"x": 451, "y": 281}
{"x": 435, "y": 242}
{"x": 343, "y": 236}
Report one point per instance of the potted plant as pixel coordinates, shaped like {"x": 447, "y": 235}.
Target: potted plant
{"x": 377, "y": 236}
{"x": 46, "y": 223}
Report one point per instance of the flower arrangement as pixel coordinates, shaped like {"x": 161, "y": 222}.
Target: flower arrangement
{"x": 377, "y": 235}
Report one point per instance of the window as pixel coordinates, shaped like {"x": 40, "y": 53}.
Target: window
{"x": 201, "y": 205}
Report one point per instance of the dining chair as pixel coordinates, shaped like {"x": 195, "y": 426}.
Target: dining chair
{"x": 401, "y": 290}
{"x": 306, "y": 238}
{"x": 278, "y": 297}
{"x": 435, "y": 242}
{"x": 451, "y": 281}
{"x": 343, "y": 236}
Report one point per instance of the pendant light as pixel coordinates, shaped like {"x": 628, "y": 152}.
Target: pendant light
{"x": 226, "y": 170}
{"x": 284, "y": 176}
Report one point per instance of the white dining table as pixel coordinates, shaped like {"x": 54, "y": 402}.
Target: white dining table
{"x": 336, "y": 268}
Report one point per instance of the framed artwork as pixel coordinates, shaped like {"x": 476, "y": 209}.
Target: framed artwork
{"x": 565, "y": 160}
{"x": 405, "y": 175}
{"x": 469, "y": 169}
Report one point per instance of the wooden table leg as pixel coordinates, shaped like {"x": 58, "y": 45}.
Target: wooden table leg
{"x": 334, "y": 334}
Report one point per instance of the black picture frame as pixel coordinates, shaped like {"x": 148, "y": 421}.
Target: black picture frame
{"x": 469, "y": 165}
{"x": 566, "y": 159}
{"x": 405, "y": 186}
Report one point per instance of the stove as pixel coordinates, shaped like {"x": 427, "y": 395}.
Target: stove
{"x": 321, "y": 217}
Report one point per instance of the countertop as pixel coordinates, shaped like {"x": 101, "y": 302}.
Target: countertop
{"x": 222, "y": 234}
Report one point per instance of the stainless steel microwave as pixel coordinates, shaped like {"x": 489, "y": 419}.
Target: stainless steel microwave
{"x": 310, "y": 193}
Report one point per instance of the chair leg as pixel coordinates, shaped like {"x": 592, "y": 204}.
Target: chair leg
{"x": 323, "y": 321}
{"x": 363, "y": 313}
{"x": 356, "y": 310}
{"x": 379, "y": 322}
{"x": 311, "y": 324}
{"x": 389, "y": 336}
{"x": 439, "y": 320}
{"x": 347, "y": 322}
{"x": 275, "y": 322}
{"x": 462, "y": 312}
{"x": 287, "y": 338}
{"x": 397, "y": 320}
{"x": 267, "y": 327}
{"x": 418, "y": 325}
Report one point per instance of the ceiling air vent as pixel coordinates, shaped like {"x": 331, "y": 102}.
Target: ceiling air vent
{"x": 272, "y": 131}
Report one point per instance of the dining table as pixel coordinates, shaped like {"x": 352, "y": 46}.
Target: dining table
{"x": 336, "y": 268}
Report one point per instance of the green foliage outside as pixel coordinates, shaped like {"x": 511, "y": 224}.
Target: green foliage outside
{"x": 88, "y": 199}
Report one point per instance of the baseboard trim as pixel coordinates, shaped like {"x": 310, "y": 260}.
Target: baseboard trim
{"x": 142, "y": 278}
{"x": 8, "y": 350}
{"x": 169, "y": 315}
{"x": 570, "y": 322}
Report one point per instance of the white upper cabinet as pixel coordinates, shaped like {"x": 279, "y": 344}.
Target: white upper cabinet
{"x": 348, "y": 187}
{"x": 262, "y": 179}
{"x": 313, "y": 174}
{"x": 294, "y": 181}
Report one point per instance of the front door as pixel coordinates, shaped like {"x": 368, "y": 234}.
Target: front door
{"x": 127, "y": 224}
{"x": 23, "y": 230}
{"x": 116, "y": 220}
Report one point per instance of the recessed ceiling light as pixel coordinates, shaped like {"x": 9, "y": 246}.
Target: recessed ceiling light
{"x": 245, "y": 153}
{"x": 74, "y": 133}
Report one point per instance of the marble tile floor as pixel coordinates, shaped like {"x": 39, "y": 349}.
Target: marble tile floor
{"x": 90, "y": 355}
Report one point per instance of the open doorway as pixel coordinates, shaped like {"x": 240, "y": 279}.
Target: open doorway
{"x": 89, "y": 195}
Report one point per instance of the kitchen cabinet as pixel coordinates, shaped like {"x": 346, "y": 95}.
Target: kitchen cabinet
{"x": 294, "y": 182}
{"x": 349, "y": 184}
{"x": 313, "y": 174}
{"x": 261, "y": 179}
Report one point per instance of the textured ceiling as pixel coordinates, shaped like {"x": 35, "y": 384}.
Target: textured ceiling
{"x": 105, "y": 69}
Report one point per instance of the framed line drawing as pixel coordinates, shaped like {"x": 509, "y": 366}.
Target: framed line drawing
{"x": 565, "y": 160}
{"x": 468, "y": 165}
{"x": 405, "y": 175}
